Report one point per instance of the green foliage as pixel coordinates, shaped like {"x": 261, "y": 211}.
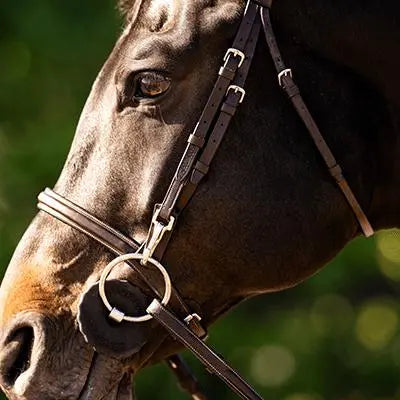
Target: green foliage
{"x": 334, "y": 337}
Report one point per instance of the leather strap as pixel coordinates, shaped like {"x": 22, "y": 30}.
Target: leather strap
{"x": 264, "y": 3}
{"x": 187, "y": 380}
{"x": 213, "y": 363}
{"x": 293, "y": 92}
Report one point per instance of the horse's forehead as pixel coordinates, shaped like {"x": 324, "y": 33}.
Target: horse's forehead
{"x": 187, "y": 11}
{"x": 159, "y": 12}
{"x": 156, "y": 5}
{"x": 174, "y": 3}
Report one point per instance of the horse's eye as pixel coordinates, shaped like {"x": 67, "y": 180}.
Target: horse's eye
{"x": 150, "y": 85}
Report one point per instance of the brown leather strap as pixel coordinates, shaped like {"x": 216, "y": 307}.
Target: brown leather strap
{"x": 214, "y": 363}
{"x": 293, "y": 92}
{"x": 264, "y": 3}
{"x": 187, "y": 381}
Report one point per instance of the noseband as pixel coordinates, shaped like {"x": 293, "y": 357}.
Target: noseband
{"x": 227, "y": 93}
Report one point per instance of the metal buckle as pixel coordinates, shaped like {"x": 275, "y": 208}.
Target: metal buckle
{"x": 191, "y": 317}
{"x": 235, "y": 53}
{"x": 285, "y": 72}
{"x": 156, "y": 233}
{"x": 236, "y": 89}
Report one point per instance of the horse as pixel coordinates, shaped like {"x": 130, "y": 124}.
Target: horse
{"x": 268, "y": 215}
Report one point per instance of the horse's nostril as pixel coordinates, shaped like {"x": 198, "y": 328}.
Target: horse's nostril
{"x": 16, "y": 355}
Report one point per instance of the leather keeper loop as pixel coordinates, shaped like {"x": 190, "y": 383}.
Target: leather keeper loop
{"x": 290, "y": 87}
{"x": 227, "y": 108}
{"x": 227, "y": 73}
{"x": 200, "y": 170}
{"x": 196, "y": 177}
{"x": 198, "y": 329}
{"x": 336, "y": 172}
{"x": 203, "y": 168}
{"x": 196, "y": 140}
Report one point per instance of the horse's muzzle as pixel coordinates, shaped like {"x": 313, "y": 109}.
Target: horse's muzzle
{"x": 19, "y": 345}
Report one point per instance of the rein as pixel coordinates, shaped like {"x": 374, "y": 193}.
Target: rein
{"x": 227, "y": 94}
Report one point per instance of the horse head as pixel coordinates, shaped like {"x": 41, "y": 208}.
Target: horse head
{"x": 267, "y": 216}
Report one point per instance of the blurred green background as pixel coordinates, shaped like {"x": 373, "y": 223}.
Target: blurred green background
{"x": 336, "y": 336}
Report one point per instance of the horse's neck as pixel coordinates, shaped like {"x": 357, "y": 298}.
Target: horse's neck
{"x": 364, "y": 37}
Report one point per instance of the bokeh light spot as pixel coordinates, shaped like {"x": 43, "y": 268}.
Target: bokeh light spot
{"x": 376, "y": 325}
{"x": 304, "y": 396}
{"x": 388, "y": 245}
{"x": 331, "y": 314}
{"x": 395, "y": 349}
{"x": 272, "y": 365}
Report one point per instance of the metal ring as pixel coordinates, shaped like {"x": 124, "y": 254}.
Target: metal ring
{"x": 118, "y": 315}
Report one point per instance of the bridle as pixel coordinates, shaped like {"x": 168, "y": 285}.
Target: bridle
{"x": 228, "y": 92}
